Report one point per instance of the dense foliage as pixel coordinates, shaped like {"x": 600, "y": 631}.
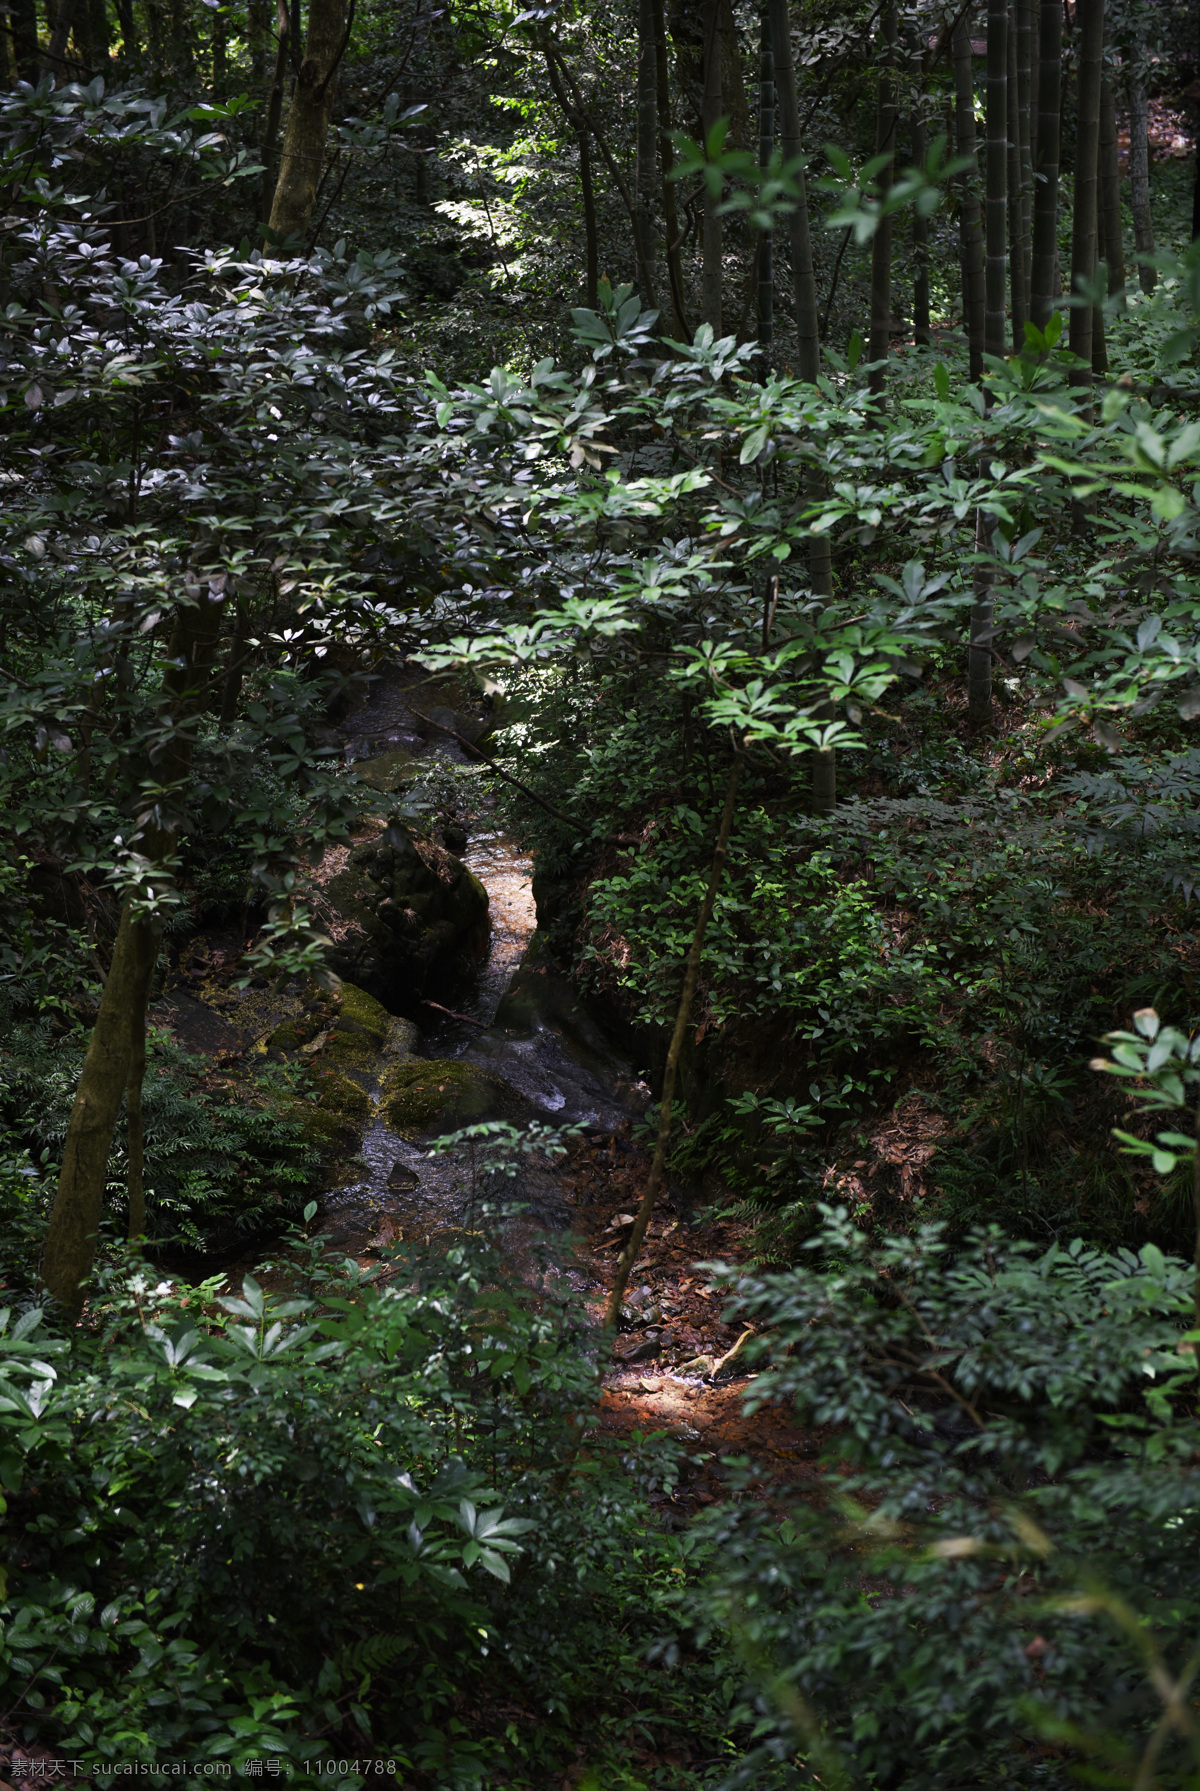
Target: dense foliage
{"x": 532, "y": 392}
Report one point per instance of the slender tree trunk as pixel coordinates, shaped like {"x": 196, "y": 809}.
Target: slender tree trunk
{"x": 1045, "y": 192}
{"x": 881, "y": 242}
{"x": 258, "y": 28}
{"x": 220, "y": 54}
{"x": 996, "y": 196}
{"x": 674, "y": 235}
{"x": 808, "y": 338}
{"x": 1089, "y": 19}
{"x": 23, "y": 25}
{"x": 979, "y": 650}
{"x": 115, "y": 1061}
{"x": 576, "y": 113}
{"x": 1110, "y": 188}
{"x": 711, "y": 233}
{"x": 1139, "y": 174}
{"x": 1025, "y": 130}
{"x": 612, "y": 1316}
{"x": 308, "y": 120}
{"x": 922, "y": 325}
{"x": 804, "y": 285}
{"x": 79, "y": 1202}
{"x": 54, "y": 58}
{"x": 970, "y": 223}
{"x": 129, "y": 36}
{"x": 587, "y": 187}
{"x": 275, "y": 108}
{"x": 766, "y": 145}
{"x": 183, "y": 63}
{"x": 1016, "y": 260}
{"x": 647, "y": 138}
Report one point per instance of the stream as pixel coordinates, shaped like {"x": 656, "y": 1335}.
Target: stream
{"x": 518, "y": 1021}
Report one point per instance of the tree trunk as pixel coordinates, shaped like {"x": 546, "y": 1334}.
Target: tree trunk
{"x": 766, "y": 145}
{"x": 220, "y": 54}
{"x": 308, "y": 120}
{"x": 647, "y": 138}
{"x": 275, "y": 109}
{"x": 711, "y": 233}
{"x": 970, "y": 224}
{"x": 54, "y": 57}
{"x": 979, "y": 649}
{"x": 258, "y": 30}
{"x": 804, "y": 285}
{"x": 129, "y": 37}
{"x": 22, "y": 18}
{"x": 1110, "y": 188}
{"x": 1025, "y": 137}
{"x": 79, "y": 1202}
{"x": 1049, "y": 132}
{"x": 808, "y": 337}
{"x": 587, "y": 187}
{"x": 1139, "y": 174}
{"x": 674, "y": 235}
{"x": 1016, "y": 260}
{"x": 1089, "y": 18}
{"x": 922, "y": 326}
{"x": 115, "y": 1061}
{"x": 881, "y": 242}
{"x": 996, "y": 195}
{"x": 691, "y": 977}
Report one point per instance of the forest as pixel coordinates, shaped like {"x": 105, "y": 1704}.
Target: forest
{"x": 599, "y": 943}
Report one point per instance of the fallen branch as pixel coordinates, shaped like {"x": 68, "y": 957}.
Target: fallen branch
{"x": 451, "y": 1015}
{"x": 492, "y": 765}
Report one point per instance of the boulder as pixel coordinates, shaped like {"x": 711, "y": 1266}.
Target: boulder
{"x": 443, "y": 1094}
{"x": 408, "y": 916}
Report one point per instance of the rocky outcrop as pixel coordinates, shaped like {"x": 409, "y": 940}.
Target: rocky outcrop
{"x": 406, "y": 918}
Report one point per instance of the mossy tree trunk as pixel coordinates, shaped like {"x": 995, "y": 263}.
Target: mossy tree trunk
{"x": 304, "y": 140}
{"x": 116, "y": 1057}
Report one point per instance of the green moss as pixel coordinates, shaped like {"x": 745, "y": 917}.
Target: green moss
{"x": 322, "y": 1129}
{"x": 287, "y": 1037}
{"x": 389, "y": 771}
{"x": 349, "y": 1047}
{"x": 340, "y": 1095}
{"x": 417, "y": 1093}
{"x": 362, "y": 1010}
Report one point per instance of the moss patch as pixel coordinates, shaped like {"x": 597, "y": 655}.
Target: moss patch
{"x": 361, "y": 1010}
{"x": 389, "y": 771}
{"x": 354, "y": 1048}
{"x": 342, "y": 1096}
{"x": 418, "y": 1093}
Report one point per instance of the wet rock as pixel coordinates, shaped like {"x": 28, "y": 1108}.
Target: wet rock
{"x": 408, "y": 917}
{"x": 342, "y": 1096}
{"x": 444, "y": 1093}
{"x": 388, "y": 771}
{"x": 548, "y": 1047}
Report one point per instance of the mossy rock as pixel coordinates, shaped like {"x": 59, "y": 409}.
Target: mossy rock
{"x": 417, "y": 1094}
{"x": 340, "y": 1095}
{"x": 322, "y": 1128}
{"x": 287, "y": 1037}
{"x": 388, "y": 771}
{"x": 359, "y": 1012}
{"x": 354, "y": 1048}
